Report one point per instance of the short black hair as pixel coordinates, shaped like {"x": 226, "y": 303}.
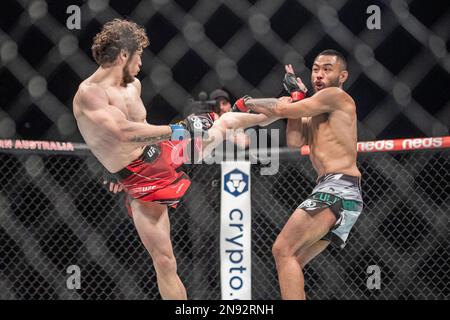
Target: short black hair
{"x": 332, "y": 52}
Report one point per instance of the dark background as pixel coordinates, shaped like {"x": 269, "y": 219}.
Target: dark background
{"x": 53, "y": 212}
{"x": 399, "y": 75}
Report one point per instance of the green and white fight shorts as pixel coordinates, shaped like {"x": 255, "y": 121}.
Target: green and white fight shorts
{"x": 342, "y": 194}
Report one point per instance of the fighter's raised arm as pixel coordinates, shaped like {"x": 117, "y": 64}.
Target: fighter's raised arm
{"x": 324, "y": 101}
{"x": 297, "y": 130}
{"x": 91, "y": 102}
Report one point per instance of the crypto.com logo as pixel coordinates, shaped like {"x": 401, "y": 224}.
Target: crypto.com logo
{"x": 236, "y": 182}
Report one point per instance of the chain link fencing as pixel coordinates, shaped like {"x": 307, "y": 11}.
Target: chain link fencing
{"x": 395, "y": 71}
{"x": 54, "y": 213}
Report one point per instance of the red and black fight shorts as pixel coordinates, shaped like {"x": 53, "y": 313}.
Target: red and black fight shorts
{"x": 153, "y": 176}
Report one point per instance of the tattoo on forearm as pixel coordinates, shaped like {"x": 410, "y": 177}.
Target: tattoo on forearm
{"x": 150, "y": 140}
{"x": 268, "y": 103}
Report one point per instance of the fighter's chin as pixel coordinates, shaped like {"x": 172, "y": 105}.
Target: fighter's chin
{"x": 324, "y": 86}
{"x": 318, "y": 88}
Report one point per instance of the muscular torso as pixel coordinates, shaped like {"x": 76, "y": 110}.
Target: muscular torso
{"x": 112, "y": 153}
{"x": 332, "y": 140}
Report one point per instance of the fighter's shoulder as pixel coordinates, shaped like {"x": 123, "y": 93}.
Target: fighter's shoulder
{"x": 338, "y": 97}
{"x": 90, "y": 94}
{"x": 137, "y": 84}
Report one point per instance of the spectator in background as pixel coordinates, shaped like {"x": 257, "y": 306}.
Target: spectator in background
{"x": 223, "y": 100}
{"x": 222, "y": 97}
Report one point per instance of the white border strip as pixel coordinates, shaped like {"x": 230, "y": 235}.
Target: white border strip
{"x": 235, "y": 231}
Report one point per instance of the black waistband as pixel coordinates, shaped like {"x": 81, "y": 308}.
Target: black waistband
{"x": 125, "y": 172}
{"x": 352, "y": 179}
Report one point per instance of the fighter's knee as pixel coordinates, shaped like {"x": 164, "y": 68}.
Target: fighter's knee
{"x": 165, "y": 263}
{"x": 276, "y": 250}
{"x": 280, "y": 250}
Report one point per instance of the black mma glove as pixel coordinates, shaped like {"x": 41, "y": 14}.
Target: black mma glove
{"x": 109, "y": 178}
{"x": 193, "y": 125}
{"x": 292, "y": 87}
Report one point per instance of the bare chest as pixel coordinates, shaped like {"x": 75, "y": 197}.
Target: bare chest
{"x": 128, "y": 101}
{"x": 318, "y": 126}
{"x": 331, "y": 131}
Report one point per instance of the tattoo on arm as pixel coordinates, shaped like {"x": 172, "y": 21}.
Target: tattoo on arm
{"x": 268, "y": 103}
{"x": 150, "y": 140}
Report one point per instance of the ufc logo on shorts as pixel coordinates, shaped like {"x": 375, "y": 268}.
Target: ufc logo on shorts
{"x": 151, "y": 151}
{"x": 309, "y": 203}
{"x": 148, "y": 188}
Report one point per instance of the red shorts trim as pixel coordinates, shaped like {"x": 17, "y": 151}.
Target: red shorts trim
{"x": 153, "y": 177}
{"x": 170, "y": 195}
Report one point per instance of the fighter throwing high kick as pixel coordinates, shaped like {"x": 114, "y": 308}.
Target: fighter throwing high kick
{"x": 112, "y": 120}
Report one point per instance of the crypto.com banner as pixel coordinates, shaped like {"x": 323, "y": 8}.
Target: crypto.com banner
{"x": 235, "y": 231}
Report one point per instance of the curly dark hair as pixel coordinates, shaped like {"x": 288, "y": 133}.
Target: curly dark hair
{"x": 116, "y": 35}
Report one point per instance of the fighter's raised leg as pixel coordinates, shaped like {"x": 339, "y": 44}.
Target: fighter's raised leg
{"x": 227, "y": 124}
